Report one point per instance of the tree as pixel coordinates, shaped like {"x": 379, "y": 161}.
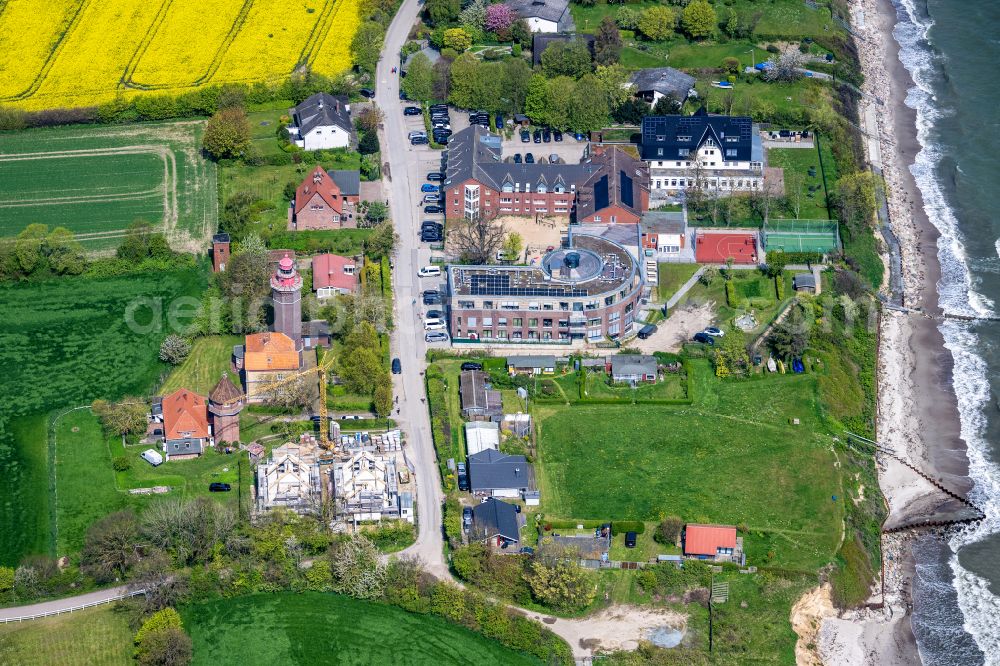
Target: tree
{"x": 474, "y": 16}
{"x": 627, "y": 18}
{"x": 245, "y": 284}
{"x": 731, "y": 65}
{"x": 111, "y": 547}
{"x": 458, "y": 39}
{"x": 463, "y": 72}
{"x": 372, "y": 116}
{"x": 513, "y": 246}
{"x": 442, "y": 12}
{"x": 227, "y": 134}
{"x": 630, "y": 112}
{"x": 369, "y": 145}
{"x": 784, "y": 67}
{"x": 561, "y": 99}
{"x": 656, "y": 23}
{"x": 536, "y": 102}
{"x": 731, "y": 356}
{"x": 174, "y": 349}
{"x": 709, "y": 275}
{"x": 357, "y": 567}
{"x": 790, "y": 336}
{"x": 382, "y": 240}
{"x": 499, "y": 19}
{"x": 520, "y": 33}
{"x": 376, "y": 212}
{"x": 517, "y": 78}
{"x": 65, "y": 254}
{"x": 367, "y": 45}
{"x": 591, "y": 110}
{"x": 166, "y": 647}
{"x": 188, "y": 530}
{"x": 608, "y": 44}
{"x": 383, "y": 397}
{"x": 477, "y": 241}
{"x": 167, "y": 618}
{"x": 290, "y": 395}
{"x": 442, "y": 78}
{"x": 28, "y": 247}
{"x": 856, "y": 198}
{"x": 668, "y": 531}
{"x": 570, "y": 58}
{"x": 125, "y": 417}
{"x": 733, "y": 24}
{"x": 143, "y": 242}
{"x": 237, "y": 214}
{"x": 560, "y": 583}
{"x": 666, "y": 105}
{"x": 699, "y": 19}
{"x": 6, "y": 579}
{"x": 613, "y": 81}
{"x": 419, "y": 81}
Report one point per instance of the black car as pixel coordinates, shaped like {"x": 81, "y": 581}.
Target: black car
{"x": 704, "y": 338}
{"x": 556, "y": 135}
{"x": 412, "y": 111}
{"x": 367, "y": 92}
{"x": 529, "y": 158}
{"x": 525, "y": 136}
{"x": 463, "y": 477}
{"x": 419, "y": 140}
{"x": 430, "y": 292}
{"x": 431, "y": 224}
{"x": 646, "y": 331}
{"x": 435, "y": 175}
{"x": 434, "y": 314}
{"x": 219, "y": 487}
{"x": 432, "y": 300}
{"x": 499, "y": 120}
{"x": 538, "y": 136}
{"x": 467, "y": 518}
{"x": 470, "y": 365}
{"x": 430, "y": 210}
{"x": 443, "y": 140}
{"x": 435, "y": 107}
{"x": 430, "y": 235}
{"x": 517, "y": 158}
{"x": 442, "y": 131}
{"x": 546, "y": 135}
{"x": 630, "y": 538}
{"x": 397, "y": 367}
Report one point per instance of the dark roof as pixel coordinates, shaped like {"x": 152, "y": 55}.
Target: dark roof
{"x": 474, "y": 153}
{"x": 550, "y": 10}
{"x": 320, "y": 110}
{"x": 433, "y": 55}
{"x": 664, "y": 80}
{"x": 220, "y": 238}
{"x": 619, "y": 179}
{"x": 317, "y": 328}
{"x": 633, "y": 364}
{"x": 490, "y": 470}
{"x": 225, "y": 391}
{"x": 662, "y": 222}
{"x": 532, "y": 361}
{"x": 804, "y": 280}
{"x": 494, "y": 517}
{"x": 348, "y": 181}
{"x": 673, "y": 134}
{"x": 542, "y": 40}
{"x": 182, "y": 447}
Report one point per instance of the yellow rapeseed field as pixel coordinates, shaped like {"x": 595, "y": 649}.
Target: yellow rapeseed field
{"x": 63, "y": 53}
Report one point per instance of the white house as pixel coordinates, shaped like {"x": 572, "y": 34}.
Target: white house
{"x": 321, "y": 121}
{"x": 365, "y": 487}
{"x": 723, "y": 153}
{"x": 290, "y": 478}
{"x": 664, "y": 232}
{"x": 482, "y": 435}
{"x": 545, "y": 15}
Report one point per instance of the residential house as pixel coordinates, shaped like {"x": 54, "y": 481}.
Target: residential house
{"x": 657, "y": 82}
{"x": 316, "y": 333}
{"x": 290, "y": 478}
{"x": 633, "y": 368}
{"x": 544, "y": 15}
{"x": 537, "y": 364}
{"x": 481, "y": 435}
{"x": 267, "y": 357}
{"x": 365, "y": 488}
{"x": 718, "y": 543}
{"x": 722, "y": 153}
{"x": 479, "y": 401}
{"x": 617, "y": 192}
{"x": 664, "y": 232}
{"x": 185, "y": 425}
{"x": 495, "y": 474}
{"x": 543, "y": 40}
{"x": 321, "y": 121}
{"x": 325, "y": 200}
{"x": 333, "y": 274}
{"x": 497, "y": 523}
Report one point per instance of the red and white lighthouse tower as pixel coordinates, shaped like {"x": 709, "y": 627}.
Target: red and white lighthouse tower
{"x": 286, "y": 292}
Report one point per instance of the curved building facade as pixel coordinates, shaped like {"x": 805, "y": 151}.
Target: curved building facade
{"x": 586, "y": 292}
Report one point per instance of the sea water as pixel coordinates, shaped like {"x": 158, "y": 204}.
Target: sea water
{"x": 951, "y": 49}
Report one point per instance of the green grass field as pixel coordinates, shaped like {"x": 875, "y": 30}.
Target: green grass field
{"x": 797, "y": 162}
{"x": 210, "y": 358}
{"x": 709, "y": 462}
{"x": 96, "y": 180}
{"x": 63, "y": 343}
{"x": 672, "y": 277}
{"x": 94, "y": 637}
{"x": 316, "y": 628}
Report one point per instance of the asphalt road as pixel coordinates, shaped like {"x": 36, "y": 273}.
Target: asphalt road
{"x": 408, "y": 338}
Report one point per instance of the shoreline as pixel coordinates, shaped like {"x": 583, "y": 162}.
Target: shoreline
{"x": 917, "y": 410}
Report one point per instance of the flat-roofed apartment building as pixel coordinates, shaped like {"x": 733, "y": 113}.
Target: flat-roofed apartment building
{"x": 587, "y": 291}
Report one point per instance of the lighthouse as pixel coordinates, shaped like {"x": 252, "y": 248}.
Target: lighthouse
{"x": 286, "y": 292}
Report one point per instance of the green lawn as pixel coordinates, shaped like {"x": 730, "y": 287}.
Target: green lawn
{"x": 210, "y": 358}
{"x": 263, "y": 130}
{"x": 316, "y": 628}
{"x": 153, "y": 171}
{"x": 709, "y": 462}
{"x": 810, "y": 189}
{"x": 94, "y": 637}
{"x": 748, "y": 284}
{"x": 65, "y": 342}
{"x": 672, "y": 277}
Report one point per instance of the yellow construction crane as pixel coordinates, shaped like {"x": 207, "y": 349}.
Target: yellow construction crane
{"x": 320, "y": 369}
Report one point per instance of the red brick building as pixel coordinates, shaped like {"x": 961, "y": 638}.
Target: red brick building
{"x": 618, "y": 192}
{"x": 326, "y": 200}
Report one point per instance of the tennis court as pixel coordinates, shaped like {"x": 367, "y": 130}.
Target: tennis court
{"x": 718, "y": 248}
{"x": 800, "y": 236}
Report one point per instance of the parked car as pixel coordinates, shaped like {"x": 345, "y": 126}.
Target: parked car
{"x": 430, "y": 210}
{"x": 715, "y": 332}
{"x": 418, "y": 140}
{"x": 434, "y": 325}
{"x": 431, "y": 224}
{"x": 442, "y": 139}
{"x": 397, "y": 367}
{"x": 429, "y": 271}
{"x": 435, "y": 175}
{"x": 435, "y": 107}
{"x": 434, "y": 299}
{"x": 499, "y": 120}
{"x": 646, "y": 331}
{"x": 546, "y": 135}
{"x": 367, "y": 92}
{"x": 430, "y": 292}
{"x": 217, "y": 487}
{"x": 517, "y": 158}
{"x": 580, "y": 137}
{"x": 415, "y": 133}
{"x": 472, "y": 365}
{"x": 434, "y": 313}
{"x": 437, "y": 336}
{"x": 537, "y": 137}
{"x": 430, "y": 236}
{"x": 529, "y": 158}
{"x": 429, "y": 187}
{"x": 412, "y": 111}
{"x": 630, "y": 538}
{"x": 432, "y": 198}
{"x": 704, "y": 338}
{"x": 525, "y": 136}
{"x": 463, "y": 476}
{"x": 556, "y": 135}
{"x": 467, "y": 518}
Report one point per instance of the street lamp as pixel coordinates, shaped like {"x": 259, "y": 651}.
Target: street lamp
{"x": 753, "y": 59}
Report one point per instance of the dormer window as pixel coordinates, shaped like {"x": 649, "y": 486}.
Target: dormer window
{"x": 558, "y": 189}
{"x": 508, "y": 187}
{"x": 683, "y": 152}
{"x": 541, "y": 189}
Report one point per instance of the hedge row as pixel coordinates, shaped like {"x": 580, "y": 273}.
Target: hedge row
{"x": 779, "y": 286}
{"x": 617, "y": 526}
{"x": 778, "y": 259}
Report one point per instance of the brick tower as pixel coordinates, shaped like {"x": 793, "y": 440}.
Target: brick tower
{"x": 220, "y": 252}
{"x": 225, "y": 403}
{"x": 286, "y": 292}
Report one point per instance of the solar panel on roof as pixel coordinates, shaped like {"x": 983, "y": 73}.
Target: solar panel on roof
{"x": 601, "y": 197}
{"x": 626, "y": 184}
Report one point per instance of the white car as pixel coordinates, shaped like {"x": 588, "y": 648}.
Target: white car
{"x": 417, "y": 133}
{"x": 436, "y": 336}
{"x": 434, "y": 325}
{"x": 429, "y": 271}
{"x": 714, "y": 332}
{"x": 432, "y": 198}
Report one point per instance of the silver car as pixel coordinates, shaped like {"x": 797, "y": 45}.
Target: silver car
{"x": 436, "y": 336}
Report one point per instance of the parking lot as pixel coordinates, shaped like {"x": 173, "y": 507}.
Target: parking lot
{"x": 569, "y": 149}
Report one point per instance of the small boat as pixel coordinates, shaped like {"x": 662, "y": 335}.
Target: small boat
{"x": 797, "y": 366}
{"x": 771, "y": 365}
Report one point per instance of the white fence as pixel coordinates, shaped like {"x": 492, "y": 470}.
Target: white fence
{"x": 70, "y": 609}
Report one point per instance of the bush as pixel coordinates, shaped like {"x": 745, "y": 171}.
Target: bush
{"x": 121, "y": 464}
{"x": 732, "y": 299}
{"x": 668, "y": 531}
{"x": 779, "y": 286}
{"x": 164, "y": 619}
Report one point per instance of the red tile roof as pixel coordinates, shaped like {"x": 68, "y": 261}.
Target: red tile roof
{"x": 270, "y": 351}
{"x": 318, "y": 183}
{"x": 707, "y": 539}
{"x": 185, "y": 414}
{"x": 328, "y": 271}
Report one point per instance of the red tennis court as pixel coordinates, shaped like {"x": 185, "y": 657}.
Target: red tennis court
{"x": 717, "y": 248}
